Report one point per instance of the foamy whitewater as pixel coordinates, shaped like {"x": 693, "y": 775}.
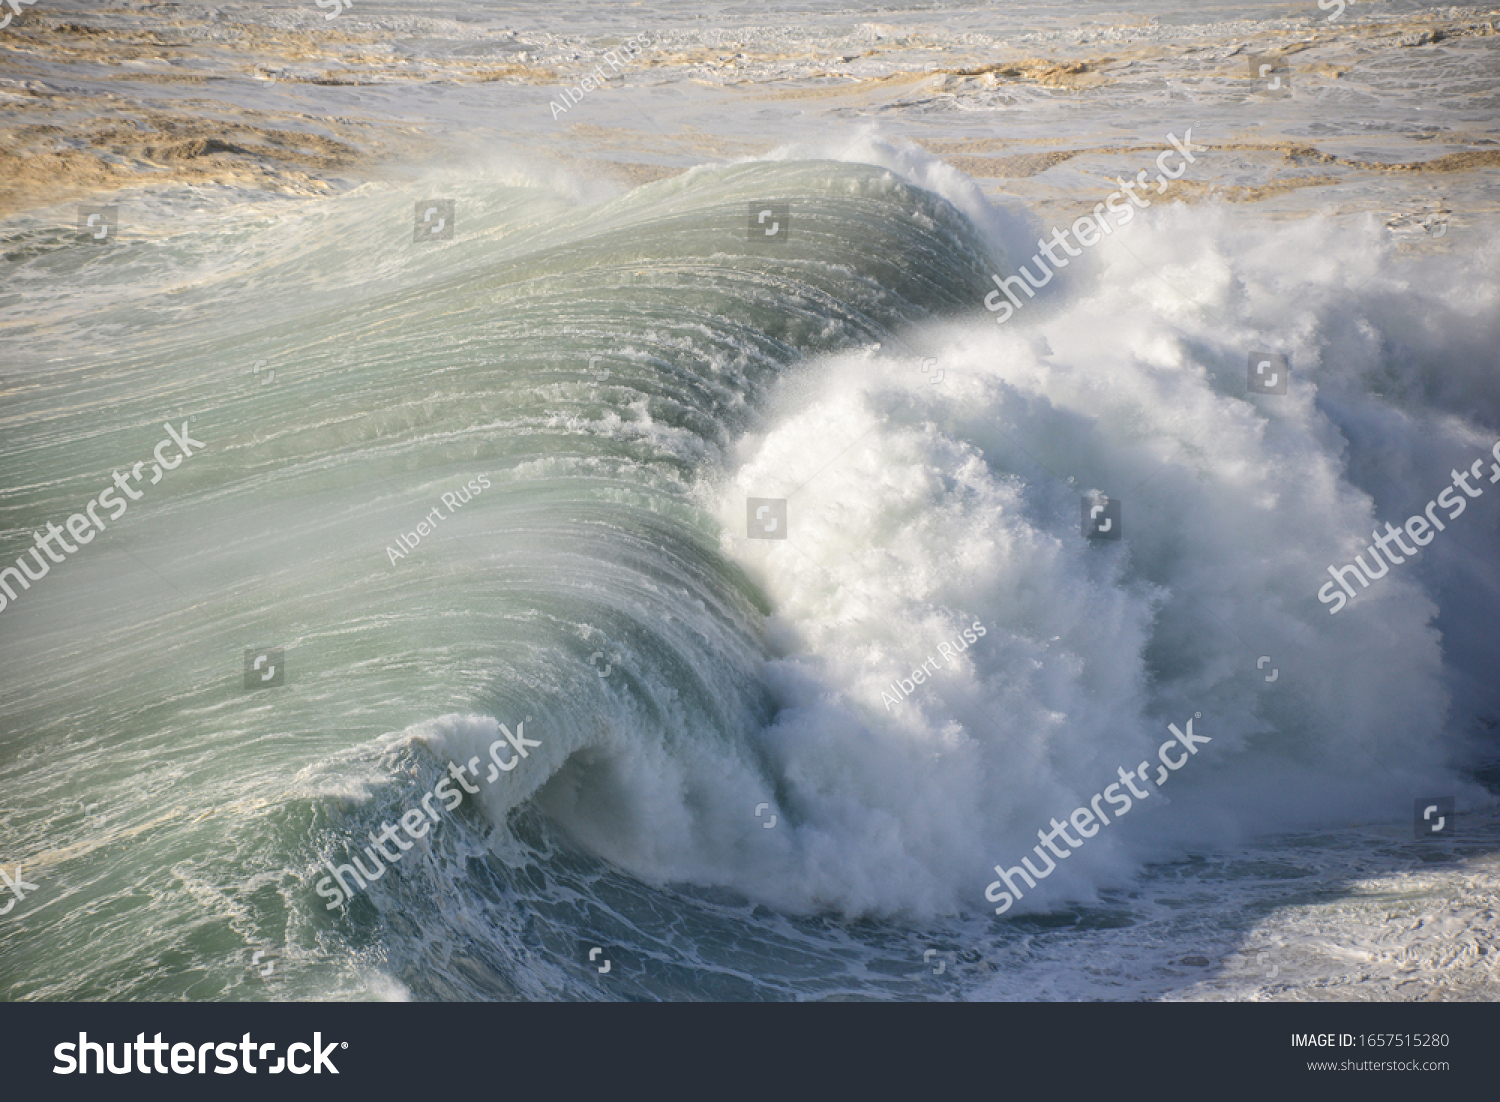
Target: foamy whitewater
{"x": 739, "y": 789}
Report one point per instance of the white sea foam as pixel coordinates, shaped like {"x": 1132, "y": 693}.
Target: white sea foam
{"x": 917, "y": 508}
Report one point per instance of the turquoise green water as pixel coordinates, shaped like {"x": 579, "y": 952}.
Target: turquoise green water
{"x": 588, "y": 363}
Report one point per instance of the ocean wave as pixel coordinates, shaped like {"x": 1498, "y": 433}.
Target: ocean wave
{"x": 713, "y": 707}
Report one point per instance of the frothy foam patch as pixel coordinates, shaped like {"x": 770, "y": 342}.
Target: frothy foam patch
{"x": 918, "y": 508}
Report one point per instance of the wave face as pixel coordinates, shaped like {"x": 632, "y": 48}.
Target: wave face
{"x": 624, "y": 375}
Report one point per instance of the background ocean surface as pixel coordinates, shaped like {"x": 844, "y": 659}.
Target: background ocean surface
{"x": 728, "y": 800}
